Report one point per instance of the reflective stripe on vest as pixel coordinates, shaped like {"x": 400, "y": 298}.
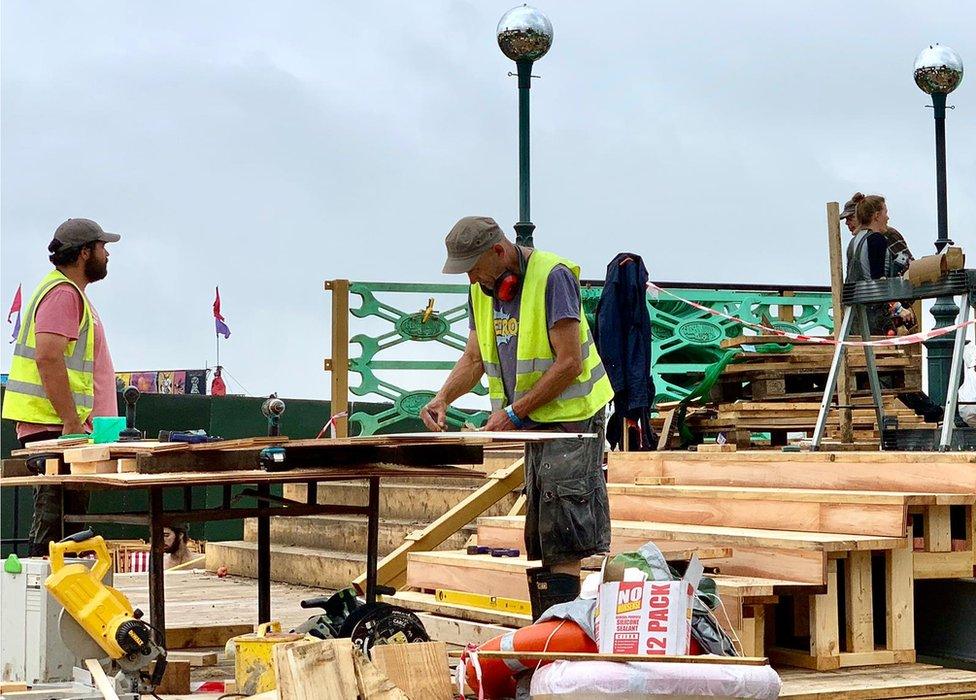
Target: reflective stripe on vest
{"x": 589, "y": 392}
{"x": 25, "y": 399}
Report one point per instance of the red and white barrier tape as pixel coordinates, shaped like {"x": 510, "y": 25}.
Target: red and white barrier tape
{"x": 328, "y": 427}
{"x": 818, "y": 339}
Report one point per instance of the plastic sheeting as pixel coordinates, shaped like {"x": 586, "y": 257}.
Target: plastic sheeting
{"x": 599, "y": 679}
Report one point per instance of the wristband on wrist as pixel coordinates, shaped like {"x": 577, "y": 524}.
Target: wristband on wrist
{"x": 516, "y": 421}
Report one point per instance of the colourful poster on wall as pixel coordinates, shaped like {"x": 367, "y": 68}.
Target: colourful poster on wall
{"x": 122, "y": 380}
{"x": 164, "y": 383}
{"x": 179, "y": 382}
{"x": 196, "y": 381}
{"x": 145, "y": 382}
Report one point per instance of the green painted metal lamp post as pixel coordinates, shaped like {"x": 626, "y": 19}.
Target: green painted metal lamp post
{"x": 524, "y": 35}
{"x": 938, "y": 71}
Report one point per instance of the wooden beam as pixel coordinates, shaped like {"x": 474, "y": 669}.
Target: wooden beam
{"x": 899, "y": 599}
{"x": 936, "y": 529}
{"x": 859, "y": 629}
{"x": 392, "y": 569}
{"x": 929, "y": 565}
{"x": 420, "y": 670}
{"x": 101, "y": 681}
{"x": 824, "y": 633}
{"x": 914, "y": 472}
{"x": 338, "y": 364}
{"x": 203, "y": 637}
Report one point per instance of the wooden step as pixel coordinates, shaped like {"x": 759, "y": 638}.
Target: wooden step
{"x": 783, "y": 554}
{"x": 505, "y": 576}
{"x": 812, "y": 510}
{"x": 344, "y": 533}
{"x": 406, "y": 501}
{"x": 914, "y": 472}
{"x": 300, "y": 565}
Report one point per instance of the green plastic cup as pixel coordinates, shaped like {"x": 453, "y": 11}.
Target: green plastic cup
{"x": 107, "y": 428}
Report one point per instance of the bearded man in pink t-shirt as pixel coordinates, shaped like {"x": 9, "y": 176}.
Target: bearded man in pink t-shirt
{"x": 62, "y": 375}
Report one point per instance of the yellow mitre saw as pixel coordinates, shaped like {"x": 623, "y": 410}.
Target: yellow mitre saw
{"x": 98, "y": 622}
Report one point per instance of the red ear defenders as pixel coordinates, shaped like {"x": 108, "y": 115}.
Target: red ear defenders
{"x": 508, "y": 283}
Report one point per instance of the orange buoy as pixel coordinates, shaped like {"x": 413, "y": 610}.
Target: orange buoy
{"x": 498, "y": 675}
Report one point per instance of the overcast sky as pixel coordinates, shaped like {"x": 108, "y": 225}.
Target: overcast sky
{"x": 268, "y": 146}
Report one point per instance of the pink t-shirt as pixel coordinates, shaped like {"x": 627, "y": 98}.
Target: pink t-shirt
{"x": 60, "y": 312}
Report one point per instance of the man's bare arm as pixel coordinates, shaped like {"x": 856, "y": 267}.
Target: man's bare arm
{"x": 49, "y": 357}
{"x": 462, "y": 379}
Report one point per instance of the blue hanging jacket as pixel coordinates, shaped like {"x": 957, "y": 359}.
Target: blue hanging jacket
{"x": 623, "y": 338}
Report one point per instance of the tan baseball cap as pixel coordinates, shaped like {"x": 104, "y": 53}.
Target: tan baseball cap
{"x": 468, "y": 240}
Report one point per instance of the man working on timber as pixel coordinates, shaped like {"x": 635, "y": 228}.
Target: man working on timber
{"x": 528, "y": 333}
{"x": 61, "y": 374}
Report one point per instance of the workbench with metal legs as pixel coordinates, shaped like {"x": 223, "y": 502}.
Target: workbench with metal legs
{"x": 258, "y": 487}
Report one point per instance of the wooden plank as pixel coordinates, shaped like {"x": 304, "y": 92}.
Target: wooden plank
{"x": 824, "y": 633}
{"x": 101, "y": 681}
{"x": 460, "y": 633}
{"x": 203, "y": 637}
{"x": 247, "y": 476}
{"x": 926, "y": 472}
{"x": 716, "y": 447}
{"x": 176, "y": 679}
{"x": 901, "y": 681}
{"x": 419, "y": 670}
{"x": 660, "y": 486}
{"x": 107, "y": 466}
{"x": 664, "y": 440}
{"x": 518, "y": 508}
{"x": 392, "y": 569}
{"x": 373, "y": 683}
{"x": 627, "y": 658}
{"x": 899, "y": 599}
{"x": 194, "y": 658}
{"x": 764, "y": 513}
{"x": 859, "y": 628}
{"x": 308, "y": 670}
{"x": 936, "y": 529}
{"x": 88, "y": 453}
{"x": 16, "y": 467}
{"x": 878, "y": 657}
{"x": 928, "y": 565}
{"x": 491, "y": 532}
{"x": 427, "y": 602}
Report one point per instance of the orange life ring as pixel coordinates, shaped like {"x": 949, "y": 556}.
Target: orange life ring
{"x": 498, "y": 675}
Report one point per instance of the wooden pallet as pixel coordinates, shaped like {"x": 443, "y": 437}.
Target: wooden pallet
{"x": 840, "y": 632}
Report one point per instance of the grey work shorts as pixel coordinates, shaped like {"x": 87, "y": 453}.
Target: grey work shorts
{"x": 567, "y": 513}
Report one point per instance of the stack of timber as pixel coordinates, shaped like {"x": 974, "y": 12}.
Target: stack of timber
{"x": 822, "y": 550}
{"x": 800, "y": 372}
{"x": 738, "y": 421}
{"x": 779, "y": 393}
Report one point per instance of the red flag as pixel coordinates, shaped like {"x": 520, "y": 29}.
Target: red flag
{"x": 15, "y": 306}
{"x": 216, "y": 306}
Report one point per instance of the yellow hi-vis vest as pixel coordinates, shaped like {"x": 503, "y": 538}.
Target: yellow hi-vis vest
{"x": 25, "y": 399}
{"x": 588, "y": 393}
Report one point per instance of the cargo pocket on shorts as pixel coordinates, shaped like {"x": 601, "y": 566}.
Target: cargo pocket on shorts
{"x": 574, "y": 522}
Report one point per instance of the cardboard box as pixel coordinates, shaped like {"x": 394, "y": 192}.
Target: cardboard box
{"x": 637, "y": 616}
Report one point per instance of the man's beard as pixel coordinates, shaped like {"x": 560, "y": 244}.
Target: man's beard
{"x": 173, "y": 548}
{"x": 95, "y": 269}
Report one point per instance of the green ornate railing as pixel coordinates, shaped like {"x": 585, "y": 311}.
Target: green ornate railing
{"x": 686, "y": 341}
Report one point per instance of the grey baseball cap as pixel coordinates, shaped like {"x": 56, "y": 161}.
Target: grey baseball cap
{"x": 76, "y": 232}
{"x": 848, "y": 210}
{"x": 468, "y": 240}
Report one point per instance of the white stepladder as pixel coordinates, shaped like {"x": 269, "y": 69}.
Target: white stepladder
{"x": 856, "y": 297}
